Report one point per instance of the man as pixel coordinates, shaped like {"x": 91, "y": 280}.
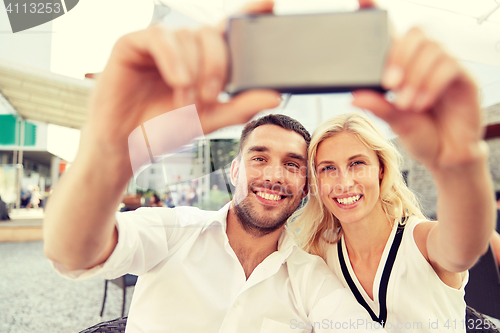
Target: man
{"x": 236, "y": 270}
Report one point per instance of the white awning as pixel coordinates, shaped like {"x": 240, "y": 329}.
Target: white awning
{"x": 44, "y": 96}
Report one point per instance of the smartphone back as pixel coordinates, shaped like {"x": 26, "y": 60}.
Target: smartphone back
{"x": 312, "y": 53}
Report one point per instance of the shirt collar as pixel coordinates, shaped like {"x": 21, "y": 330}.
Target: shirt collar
{"x": 220, "y": 217}
{"x": 286, "y": 242}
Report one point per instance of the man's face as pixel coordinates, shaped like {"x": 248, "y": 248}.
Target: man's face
{"x": 270, "y": 178}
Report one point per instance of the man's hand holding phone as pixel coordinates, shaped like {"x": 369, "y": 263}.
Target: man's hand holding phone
{"x": 156, "y": 70}
{"x": 149, "y": 73}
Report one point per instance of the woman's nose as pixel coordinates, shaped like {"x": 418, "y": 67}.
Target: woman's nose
{"x": 345, "y": 180}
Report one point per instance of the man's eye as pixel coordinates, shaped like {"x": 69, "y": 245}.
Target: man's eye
{"x": 293, "y": 165}
{"x": 258, "y": 159}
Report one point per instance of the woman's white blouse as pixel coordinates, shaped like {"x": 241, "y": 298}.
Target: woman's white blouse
{"x": 417, "y": 299}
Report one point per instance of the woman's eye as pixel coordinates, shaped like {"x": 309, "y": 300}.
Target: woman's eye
{"x": 326, "y": 168}
{"x": 358, "y": 163}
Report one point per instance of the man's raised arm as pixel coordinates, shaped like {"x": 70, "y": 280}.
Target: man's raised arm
{"x": 149, "y": 73}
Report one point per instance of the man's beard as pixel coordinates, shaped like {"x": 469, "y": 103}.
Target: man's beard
{"x": 259, "y": 226}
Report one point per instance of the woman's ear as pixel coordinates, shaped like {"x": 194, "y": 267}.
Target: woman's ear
{"x": 381, "y": 172}
{"x": 305, "y": 189}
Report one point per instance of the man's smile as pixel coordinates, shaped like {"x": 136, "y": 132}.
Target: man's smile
{"x": 269, "y": 197}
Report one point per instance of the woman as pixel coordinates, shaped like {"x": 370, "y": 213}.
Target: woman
{"x": 409, "y": 273}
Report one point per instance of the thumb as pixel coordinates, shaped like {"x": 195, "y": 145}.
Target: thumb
{"x": 255, "y": 7}
{"x": 376, "y": 103}
{"x": 400, "y": 122}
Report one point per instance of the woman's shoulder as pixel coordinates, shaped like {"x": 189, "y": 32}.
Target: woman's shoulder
{"x": 413, "y": 221}
{"x": 416, "y": 231}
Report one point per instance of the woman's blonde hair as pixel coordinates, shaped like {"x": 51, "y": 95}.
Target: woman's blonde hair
{"x": 313, "y": 224}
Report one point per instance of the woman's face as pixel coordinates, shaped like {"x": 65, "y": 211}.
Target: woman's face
{"x": 349, "y": 175}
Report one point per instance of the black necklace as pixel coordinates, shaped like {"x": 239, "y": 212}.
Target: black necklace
{"x": 384, "y": 281}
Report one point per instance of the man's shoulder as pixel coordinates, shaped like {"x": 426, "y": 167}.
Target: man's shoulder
{"x": 186, "y": 215}
{"x": 189, "y": 215}
{"x": 176, "y": 222}
{"x": 311, "y": 277}
{"x": 301, "y": 256}
{"x": 303, "y": 263}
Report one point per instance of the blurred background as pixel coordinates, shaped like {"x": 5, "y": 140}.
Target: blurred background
{"x": 47, "y": 73}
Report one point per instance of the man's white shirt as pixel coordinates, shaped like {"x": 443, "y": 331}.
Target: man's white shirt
{"x": 190, "y": 280}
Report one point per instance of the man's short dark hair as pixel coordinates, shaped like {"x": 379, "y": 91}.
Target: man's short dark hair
{"x": 279, "y": 120}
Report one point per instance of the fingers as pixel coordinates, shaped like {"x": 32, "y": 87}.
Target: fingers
{"x": 189, "y": 51}
{"x": 193, "y": 64}
{"x": 419, "y": 77}
{"x": 239, "y": 110}
{"x": 202, "y": 54}
{"x": 188, "y": 42}
{"x": 213, "y": 64}
{"x": 399, "y": 58}
{"x": 367, "y": 4}
{"x": 254, "y": 7}
{"x": 152, "y": 48}
{"x": 375, "y": 102}
{"x": 156, "y": 51}
{"x": 419, "y": 71}
{"x": 438, "y": 80}
{"x": 400, "y": 122}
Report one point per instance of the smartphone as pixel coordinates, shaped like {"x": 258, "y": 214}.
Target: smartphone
{"x": 313, "y": 53}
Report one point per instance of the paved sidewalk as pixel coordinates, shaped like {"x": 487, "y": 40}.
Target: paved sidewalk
{"x": 34, "y": 298}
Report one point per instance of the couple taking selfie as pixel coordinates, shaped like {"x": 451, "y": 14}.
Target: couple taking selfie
{"x": 358, "y": 256}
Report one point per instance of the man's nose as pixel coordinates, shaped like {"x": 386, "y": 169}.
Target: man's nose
{"x": 274, "y": 173}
